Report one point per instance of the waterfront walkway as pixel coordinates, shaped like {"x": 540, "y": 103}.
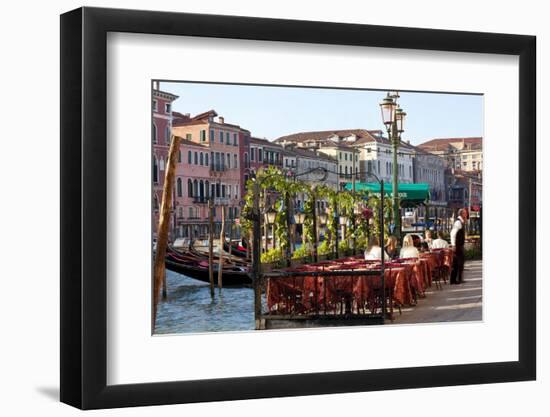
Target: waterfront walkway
{"x": 452, "y": 303}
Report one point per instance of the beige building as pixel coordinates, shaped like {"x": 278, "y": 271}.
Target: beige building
{"x": 464, "y": 154}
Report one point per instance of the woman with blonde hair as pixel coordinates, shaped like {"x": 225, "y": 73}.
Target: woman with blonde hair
{"x": 374, "y": 251}
{"x": 408, "y": 250}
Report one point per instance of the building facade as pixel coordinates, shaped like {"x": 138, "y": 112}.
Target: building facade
{"x": 192, "y": 190}
{"x": 160, "y": 137}
{"x": 222, "y": 141}
{"x": 464, "y": 154}
{"x": 430, "y": 169}
{"x": 373, "y": 152}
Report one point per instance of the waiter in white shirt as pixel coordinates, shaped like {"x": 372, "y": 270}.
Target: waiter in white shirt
{"x": 457, "y": 241}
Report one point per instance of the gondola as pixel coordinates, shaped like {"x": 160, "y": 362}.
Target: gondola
{"x": 231, "y": 276}
{"x": 236, "y": 249}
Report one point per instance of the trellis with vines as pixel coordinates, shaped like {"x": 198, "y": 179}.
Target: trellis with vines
{"x": 274, "y": 183}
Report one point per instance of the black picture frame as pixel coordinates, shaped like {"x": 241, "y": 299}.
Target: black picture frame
{"x": 84, "y": 207}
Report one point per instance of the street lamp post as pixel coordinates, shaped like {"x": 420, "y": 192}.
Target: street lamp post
{"x": 394, "y": 117}
{"x": 270, "y": 221}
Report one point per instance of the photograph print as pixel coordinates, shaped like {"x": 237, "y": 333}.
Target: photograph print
{"x": 291, "y": 207}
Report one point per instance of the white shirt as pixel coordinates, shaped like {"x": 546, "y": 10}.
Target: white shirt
{"x": 375, "y": 253}
{"x": 409, "y": 252}
{"x": 439, "y": 244}
{"x": 456, "y": 227}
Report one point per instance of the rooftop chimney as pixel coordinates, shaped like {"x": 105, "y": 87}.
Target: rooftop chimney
{"x": 221, "y": 120}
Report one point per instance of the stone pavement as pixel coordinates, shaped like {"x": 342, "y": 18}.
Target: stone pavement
{"x": 452, "y": 303}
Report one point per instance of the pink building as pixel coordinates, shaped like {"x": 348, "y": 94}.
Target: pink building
{"x": 160, "y": 131}
{"x": 222, "y": 141}
{"x": 192, "y": 190}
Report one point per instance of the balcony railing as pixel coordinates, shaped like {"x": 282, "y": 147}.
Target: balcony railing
{"x": 200, "y": 200}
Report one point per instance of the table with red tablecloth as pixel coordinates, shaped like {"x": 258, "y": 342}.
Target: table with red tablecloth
{"x": 296, "y": 294}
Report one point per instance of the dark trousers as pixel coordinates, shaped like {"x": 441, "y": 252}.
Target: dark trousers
{"x": 458, "y": 266}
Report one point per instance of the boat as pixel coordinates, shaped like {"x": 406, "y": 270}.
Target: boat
{"x": 232, "y": 275}
{"x": 236, "y": 249}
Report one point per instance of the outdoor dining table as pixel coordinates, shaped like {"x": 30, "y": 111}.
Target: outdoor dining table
{"x": 301, "y": 294}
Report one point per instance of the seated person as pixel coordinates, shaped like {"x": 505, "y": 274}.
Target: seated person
{"x": 416, "y": 240}
{"x": 424, "y": 247}
{"x": 440, "y": 243}
{"x": 428, "y": 238}
{"x": 408, "y": 250}
{"x": 391, "y": 247}
{"x": 374, "y": 251}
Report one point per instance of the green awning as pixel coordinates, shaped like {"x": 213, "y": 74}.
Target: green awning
{"x": 414, "y": 193}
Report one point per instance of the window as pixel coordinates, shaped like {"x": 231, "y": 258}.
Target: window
{"x": 201, "y": 189}
{"x": 168, "y": 108}
{"x": 218, "y": 163}
{"x": 167, "y": 135}
{"x": 189, "y": 157}
{"x": 222, "y": 160}
{"x": 179, "y": 188}
{"x": 155, "y": 170}
{"x": 346, "y": 170}
{"x": 206, "y": 159}
{"x": 246, "y": 159}
{"x": 201, "y": 159}
{"x": 155, "y": 139}
{"x": 236, "y": 212}
{"x": 203, "y": 135}
{"x": 179, "y": 156}
{"x": 196, "y": 158}
{"x": 212, "y": 190}
{"x": 228, "y": 161}
{"x": 155, "y": 105}
{"x": 207, "y": 188}
{"x": 190, "y": 212}
{"x": 378, "y": 166}
{"x": 223, "y": 190}
{"x": 369, "y": 166}
{"x": 227, "y": 138}
{"x": 252, "y": 154}
{"x": 229, "y": 189}
{"x": 230, "y": 212}
{"x": 221, "y": 137}
{"x": 346, "y": 156}
{"x": 189, "y": 188}
{"x": 340, "y": 169}
{"x": 189, "y": 136}
{"x": 260, "y": 155}
{"x": 235, "y": 161}
{"x": 340, "y": 155}
{"x": 195, "y": 188}
{"x": 235, "y": 143}
{"x": 218, "y": 190}
{"x": 161, "y": 163}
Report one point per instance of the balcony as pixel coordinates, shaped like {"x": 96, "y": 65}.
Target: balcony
{"x": 193, "y": 219}
{"x": 222, "y": 201}
{"x": 200, "y": 200}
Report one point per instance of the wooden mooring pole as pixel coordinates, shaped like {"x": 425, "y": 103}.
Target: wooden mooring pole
{"x": 256, "y": 249}
{"x": 211, "y": 247}
{"x": 222, "y": 239}
{"x": 164, "y": 223}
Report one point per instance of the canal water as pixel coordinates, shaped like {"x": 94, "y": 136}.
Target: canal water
{"x": 190, "y": 309}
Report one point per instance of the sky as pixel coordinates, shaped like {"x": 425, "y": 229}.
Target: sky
{"x": 271, "y": 112}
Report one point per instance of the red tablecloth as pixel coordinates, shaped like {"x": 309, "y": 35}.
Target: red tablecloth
{"x": 301, "y": 294}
